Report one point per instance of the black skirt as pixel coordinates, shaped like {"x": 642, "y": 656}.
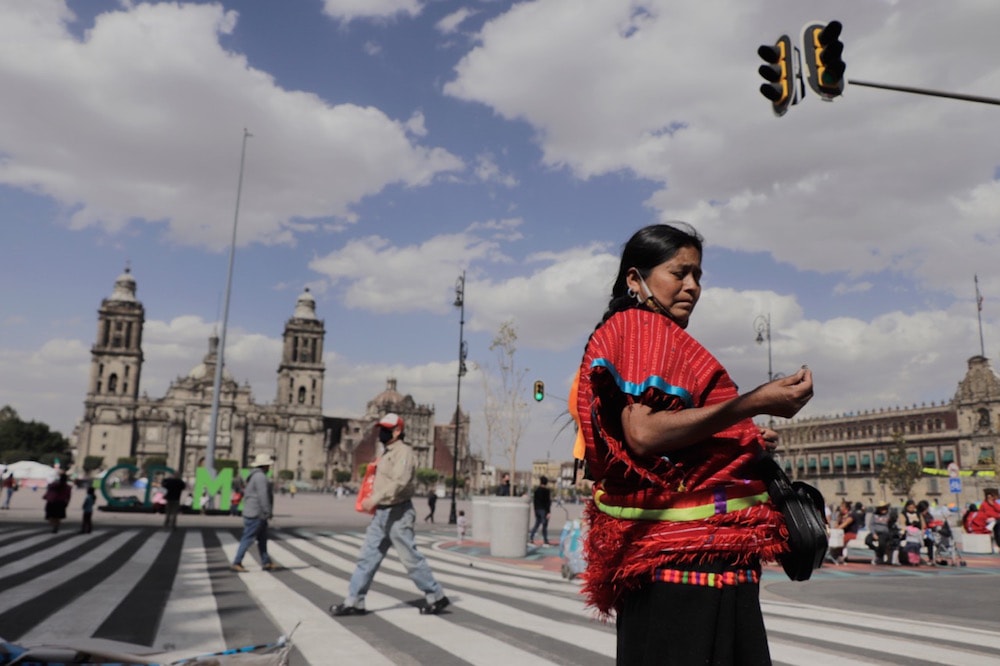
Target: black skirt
{"x": 675, "y": 624}
{"x": 55, "y": 510}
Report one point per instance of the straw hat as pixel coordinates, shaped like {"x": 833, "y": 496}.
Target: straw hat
{"x": 262, "y": 460}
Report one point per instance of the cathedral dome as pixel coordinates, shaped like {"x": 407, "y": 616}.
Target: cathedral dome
{"x": 124, "y": 287}
{"x": 305, "y": 306}
{"x": 389, "y": 397}
{"x": 206, "y": 369}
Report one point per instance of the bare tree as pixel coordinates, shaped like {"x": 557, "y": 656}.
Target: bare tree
{"x": 899, "y": 472}
{"x": 506, "y": 413}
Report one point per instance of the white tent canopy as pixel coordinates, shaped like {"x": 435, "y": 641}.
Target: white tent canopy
{"x": 29, "y": 469}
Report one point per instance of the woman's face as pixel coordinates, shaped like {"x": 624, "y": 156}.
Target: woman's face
{"x": 675, "y": 284}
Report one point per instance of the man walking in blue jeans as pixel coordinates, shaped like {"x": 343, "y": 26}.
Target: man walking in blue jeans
{"x": 392, "y": 524}
{"x": 258, "y": 506}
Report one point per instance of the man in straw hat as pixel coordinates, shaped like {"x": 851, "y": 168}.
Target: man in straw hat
{"x": 258, "y": 506}
{"x": 392, "y": 524}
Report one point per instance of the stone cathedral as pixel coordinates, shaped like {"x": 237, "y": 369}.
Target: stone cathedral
{"x": 119, "y": 422}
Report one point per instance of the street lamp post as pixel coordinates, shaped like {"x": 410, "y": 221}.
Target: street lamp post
{"x": 462, "y": 353}
{"x": 762, "y": 325}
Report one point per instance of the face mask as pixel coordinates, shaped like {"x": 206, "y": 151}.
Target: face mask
{"x": 650, "y": 300}
{"x": 384, "y": 435}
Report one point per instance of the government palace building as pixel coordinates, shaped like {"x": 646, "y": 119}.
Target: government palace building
{"x": 121, "y": 422}
{"x": 843, "y": 455}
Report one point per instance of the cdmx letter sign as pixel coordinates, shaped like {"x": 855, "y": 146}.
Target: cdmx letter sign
{"x": 204, "y": 484}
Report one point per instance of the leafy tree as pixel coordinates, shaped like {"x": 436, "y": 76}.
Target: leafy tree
{"x": 286, "y": 474}
{"x": 153, "y": 461}
{"x": 899, "y": 472}
{"x": 91, "y": 463}
{"x": 316, "y": 474}
{"x": 341, "y": 475}
{"x": 426, "y": 476}
{"x": 224, "y": 463}
{"x": 31, "y": 440}
{"x": 459, "y": 481}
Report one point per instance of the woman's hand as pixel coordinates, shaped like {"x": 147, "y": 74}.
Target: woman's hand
{"x": 769, "y": 438}
{"x": 784, "y": 396}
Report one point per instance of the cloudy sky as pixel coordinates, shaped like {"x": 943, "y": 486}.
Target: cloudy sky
{"x": 397, "y": 143}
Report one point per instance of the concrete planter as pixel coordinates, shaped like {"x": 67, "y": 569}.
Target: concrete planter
{"x": 480, "y": 517}
{"x": 509, "y": 519}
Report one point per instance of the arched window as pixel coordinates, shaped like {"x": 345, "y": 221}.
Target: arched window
{"x": 302, "y": 394}
{"x": 112, "y": 383}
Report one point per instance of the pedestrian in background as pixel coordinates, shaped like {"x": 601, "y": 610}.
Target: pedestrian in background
{"x": 503, "y": 490}
{"x": 463, "y": 524}
{"x": 432, "y": 501}
{"x": 172, "y": 486}
{"x": 56, "y": 498}
{"x": 392, "y": 524}
{"x": 258, "y": 503}
{"x": 9, "y": 486}
{"x": 87, "y": 526}
{"x": 542, "y": 503}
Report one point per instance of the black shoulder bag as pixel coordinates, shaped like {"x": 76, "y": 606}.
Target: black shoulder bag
{"x": 802, "y": 506}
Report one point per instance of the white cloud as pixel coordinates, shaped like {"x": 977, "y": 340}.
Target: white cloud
{"x": 451, "y": 22}
{"x": 857, "y": 287}
{"x": 488, "y": 171}
{"x": 349, "y": 10}
{"x": 420, "y": 278}
{"x": 83, "y": 116}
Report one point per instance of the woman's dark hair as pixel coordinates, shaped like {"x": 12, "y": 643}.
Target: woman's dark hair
{"x": 645, "y": 250}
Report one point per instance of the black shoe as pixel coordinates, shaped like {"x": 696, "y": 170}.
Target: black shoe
{"x": 436, "y": 607}
{"x": 341, "y": 610}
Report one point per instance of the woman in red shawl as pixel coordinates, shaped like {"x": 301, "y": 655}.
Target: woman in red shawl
{"x": 680, "y": 520}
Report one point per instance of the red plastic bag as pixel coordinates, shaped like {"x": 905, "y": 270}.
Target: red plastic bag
{"x": 367, "y": 484}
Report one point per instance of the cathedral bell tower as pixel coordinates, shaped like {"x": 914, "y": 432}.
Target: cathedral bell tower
{"x": 115, "y": 369}
{"x": 300, "y": 375}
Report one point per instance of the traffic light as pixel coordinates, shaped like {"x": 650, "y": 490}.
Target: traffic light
{"x": 780, "y": 74}
{"x": 824, "y": 55}
{"x": 539, "y": 390}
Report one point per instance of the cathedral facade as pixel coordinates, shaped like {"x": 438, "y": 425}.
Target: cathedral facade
{"x": 120, "y": 423}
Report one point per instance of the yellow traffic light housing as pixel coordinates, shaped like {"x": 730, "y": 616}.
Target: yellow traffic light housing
{"x": 779, "y": 72}
{"x": 824, "y": 56}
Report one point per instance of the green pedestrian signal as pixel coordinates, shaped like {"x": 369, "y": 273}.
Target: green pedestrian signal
{"x": 539, "y": 390}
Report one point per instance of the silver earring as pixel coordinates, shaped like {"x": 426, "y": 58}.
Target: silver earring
{"x": 630, "y": 293}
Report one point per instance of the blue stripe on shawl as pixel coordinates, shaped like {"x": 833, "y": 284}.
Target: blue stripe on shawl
{"x": 638, "y": 389}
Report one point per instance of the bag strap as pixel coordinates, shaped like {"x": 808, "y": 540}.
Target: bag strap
{"x": 779, "y": 487}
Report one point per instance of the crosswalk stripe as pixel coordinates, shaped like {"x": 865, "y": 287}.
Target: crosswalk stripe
{"x": 80, "y": 618}
{"x": 504, "y": 613}
{"x": 87, "y": 558}
{"x": 316, "y": 630}
{"x": 435, "y": 629}
{"x": 509, "y": 584}
{"x": 191, "y": 616}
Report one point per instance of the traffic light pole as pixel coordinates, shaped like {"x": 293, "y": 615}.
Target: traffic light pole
{"x": 926, "y": 91}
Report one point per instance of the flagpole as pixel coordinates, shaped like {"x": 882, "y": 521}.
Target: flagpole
{"x": 221, "y": 355}
{"x": 979, "y": 313}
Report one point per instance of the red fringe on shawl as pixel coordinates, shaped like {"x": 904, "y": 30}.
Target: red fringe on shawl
{"x": 622, "y": 555}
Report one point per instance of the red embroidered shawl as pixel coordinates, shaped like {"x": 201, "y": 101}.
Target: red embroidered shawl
{"x": 701, "y": 503}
